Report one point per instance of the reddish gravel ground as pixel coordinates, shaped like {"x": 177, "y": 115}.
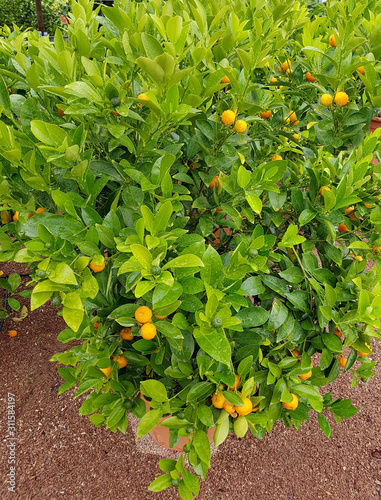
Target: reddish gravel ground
{"x": 59, "y": 455}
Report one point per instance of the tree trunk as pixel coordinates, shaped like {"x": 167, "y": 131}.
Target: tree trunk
{"x": 40, "y": 19}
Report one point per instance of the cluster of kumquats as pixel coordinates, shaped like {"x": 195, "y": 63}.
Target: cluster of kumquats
{"x": 219, "y": 401}
{"x": 148, "y": 331}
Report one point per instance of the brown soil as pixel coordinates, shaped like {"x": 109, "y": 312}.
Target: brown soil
{"x": 61, "y": 455}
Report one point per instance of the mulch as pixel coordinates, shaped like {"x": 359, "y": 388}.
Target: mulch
{"x": 60, "y": 455}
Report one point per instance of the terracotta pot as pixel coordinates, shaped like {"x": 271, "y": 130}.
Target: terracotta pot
{"x": 161, "y": 434}
{"x": 375, "y": 123}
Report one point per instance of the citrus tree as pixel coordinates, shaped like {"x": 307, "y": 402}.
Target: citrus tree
{"x": 193, "y": 187}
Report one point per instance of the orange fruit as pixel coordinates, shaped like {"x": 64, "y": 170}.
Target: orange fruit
{"x": 364, "y": 353}
{"x": 218, "y": 400}
{"x": 332, "y": 41}
{"x": 97, "y": 268}
{"x": 310, "y": 78}
{"x": 324, "y": 188}
{"x": 286, "y": 64}
{"x": 295, "y": 136}
{"x": 143, "y": 97}
{"x": 60, "y": 112}
{"x": 265, "y": 114}
{"x": 40, "y": 210}
{"x": 126, "y": 334}
{"x": 12, "y": 333}
{"x": 121, "y": 360}
{"x": 96, "y": 324}
{"x": 193, "y": 166}
{"x": 293, "y": 404}
{"x": 215, "y": 182}
{"x": 361, "y": 70}
{"x": 291, "y": 118}
{"x": 338, "y": 333}
{"x": 148, "y": 331}
{"x": 342, "y": 227}
{"x": 143, "y": 314}
{"x": 342, "y": 360}
{"x": 236, "y": 383}
{"x": 240, "y": 126}
{"x": 326, "y": 100}
{"x": 30, "y": 215}
{"x": 225, "y": 79}
{"x": 276, "y": 157}
{"x": 306, "y": 375}
{"x": 368, "y": 205}
{"x": 349, "y": 210}
{"x": 16, "y": 216}
{"x": 280, "y": 69}
{"x": 273, "y": 79}
{"x": 246, "y": 408}
{"x": 229, "y": 407}
{"x": 228, "y": 117}
{"x": 341, "y": 99}
{"x": 295, "y": 352}
{"x": 106, "y": 371}
{"x": 160, "y": 317}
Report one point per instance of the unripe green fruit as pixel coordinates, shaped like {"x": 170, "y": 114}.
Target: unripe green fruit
{"x": 217, "y": 322}
{"x": 253, "y": 252}
{"x": 156, "y": 270}
{"x": 175, "y": 482}
{"x": 41, "y": 274}
{"x": 56, "y": 301}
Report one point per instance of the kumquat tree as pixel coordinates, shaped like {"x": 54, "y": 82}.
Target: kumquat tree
{"x": 194, "y": 186}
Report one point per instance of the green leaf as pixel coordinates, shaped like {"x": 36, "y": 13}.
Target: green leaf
{"x": 161, "y": 483}
{"x": 344, "y": 408}
{"x": 222, "y": 430}
{"x": 306, "y": 216}
{"x": 63, "y": 274}
{"x": 191, "y": 481}
{"x": 143, "y": 256}
{"x": 187, "y": 260}
{"x": 205, "y": 414}
{"x": 202, "y": 446}
{"x": 241, "y": 426}
{"x": 332, "y": 342}
{"x": 324, "y": 425}
{"x": 253, "y": 286}
{"x": 165, "y": 295}
{"x": 106, "y": 236}
{"x": 312, "y": 394}
{"x": 116, "y": 415}
{"x": 212, "y": 271}
{"x": 148, "y": 422}
{"x": 291, "y": 237}
{"x": 254, "y": 202}
{"x": 292, "y": 274}
{"x": 155, "y": 390}
{"x": 243, "y": 177}
{"x": 278, "y": 315}
{"x": 162, "y": 218}
{"x": 214, "y": 343}
{"x": 252, "y": 316}
{"x": 200, "y": 391}
{"x": 167, "y": 464}
{"x": 49, "y": 134}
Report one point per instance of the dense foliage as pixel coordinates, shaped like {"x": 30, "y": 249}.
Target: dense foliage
{"x": 22, "y": 13}
{"x": 212, "y": 163}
